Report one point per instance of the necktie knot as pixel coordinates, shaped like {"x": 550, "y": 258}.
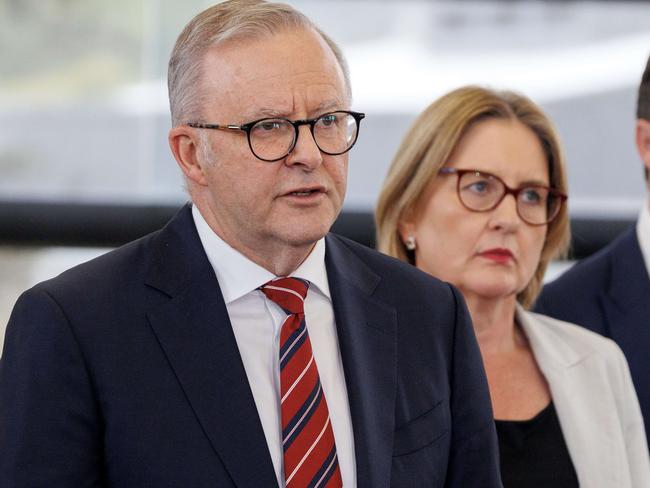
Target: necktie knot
{"x": 288, "y": 293}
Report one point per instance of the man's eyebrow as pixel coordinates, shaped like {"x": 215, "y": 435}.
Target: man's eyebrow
{"x": 264, "y": 112}
{"x": 260, "y": 113}
{"x": 328, "y": 105}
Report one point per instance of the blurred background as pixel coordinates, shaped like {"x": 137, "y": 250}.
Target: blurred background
{"x": 84, "y": 161}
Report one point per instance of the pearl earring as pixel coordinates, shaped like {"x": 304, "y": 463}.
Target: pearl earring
{"x": 410, "y": 243}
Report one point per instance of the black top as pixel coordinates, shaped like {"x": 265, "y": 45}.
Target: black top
{"x": 533, "y": 452}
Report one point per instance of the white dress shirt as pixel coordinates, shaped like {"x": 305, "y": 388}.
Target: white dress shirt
{"x": 256, "y": 323}
{"x": 643, "y": 234}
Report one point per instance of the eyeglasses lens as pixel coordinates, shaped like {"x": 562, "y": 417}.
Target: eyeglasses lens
{"x": 271, "y": 138}
{"x": 334, "y": 133}
{"x": 480, "y": 192}
{"x": 532, "y": 205}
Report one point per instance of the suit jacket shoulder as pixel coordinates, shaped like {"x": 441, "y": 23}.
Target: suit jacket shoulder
{"x": 616, "y": 274}
{"x": 102, "y": 278}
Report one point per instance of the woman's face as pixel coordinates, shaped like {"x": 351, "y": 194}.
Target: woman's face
{"x": 491, "y": 254}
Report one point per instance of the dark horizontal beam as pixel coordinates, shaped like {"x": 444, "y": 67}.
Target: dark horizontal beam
{"x": 78, "y": 224}
{"x": 109, "y": 225}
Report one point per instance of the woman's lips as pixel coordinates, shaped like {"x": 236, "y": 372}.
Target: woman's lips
{"x": 498, "y": 255}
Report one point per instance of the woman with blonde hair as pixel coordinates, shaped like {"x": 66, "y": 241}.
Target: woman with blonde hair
{"x": 476, "y": 196}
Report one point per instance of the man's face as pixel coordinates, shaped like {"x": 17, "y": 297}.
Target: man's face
{"x": 263, "y": 207}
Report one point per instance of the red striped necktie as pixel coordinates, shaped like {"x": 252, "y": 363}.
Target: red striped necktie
{"x": 309, "y": 449}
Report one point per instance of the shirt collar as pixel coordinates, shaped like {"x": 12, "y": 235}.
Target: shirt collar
{"x": 238, "y": 275}
{"x": 643, "y": 234}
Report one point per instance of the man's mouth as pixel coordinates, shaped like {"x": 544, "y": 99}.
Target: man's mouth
{"x": 306, "y": 192}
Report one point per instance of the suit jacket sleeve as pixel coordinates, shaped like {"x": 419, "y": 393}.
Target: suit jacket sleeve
{"x": 49, "y": 425}
{"x": 474, "y": 458}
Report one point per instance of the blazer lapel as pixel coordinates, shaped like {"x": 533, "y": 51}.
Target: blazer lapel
{"x": 367, "y": 339}
{"x": 585, "y": 414}
{"x": 194, "y": 331}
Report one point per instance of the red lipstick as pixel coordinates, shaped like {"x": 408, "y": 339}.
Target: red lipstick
{"x": 498, "y": 255}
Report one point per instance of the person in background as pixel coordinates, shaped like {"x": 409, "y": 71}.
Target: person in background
{"x": 476, "y": 196}
{"x": 243, "y": 345}
{"x": 609, "y": 292}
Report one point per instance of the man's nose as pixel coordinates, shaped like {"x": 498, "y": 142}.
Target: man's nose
{"x": 306, "y": 151}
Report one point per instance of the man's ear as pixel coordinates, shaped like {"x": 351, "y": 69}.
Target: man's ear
{"x": 184, "y": 143}
{"x": 643, "y": 141}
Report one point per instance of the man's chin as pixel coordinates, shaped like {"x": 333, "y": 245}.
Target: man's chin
{"x": 306, "y": 235}
{"x": 307, "y": 238}
{"x": 308, "y": 227}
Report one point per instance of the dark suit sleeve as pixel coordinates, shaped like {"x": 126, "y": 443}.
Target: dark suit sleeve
{"x": 50, "y": 430}
{"x": 474, "y": 457}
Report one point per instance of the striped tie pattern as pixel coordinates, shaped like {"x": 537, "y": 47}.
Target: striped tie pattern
{"x": 309, "y": 449}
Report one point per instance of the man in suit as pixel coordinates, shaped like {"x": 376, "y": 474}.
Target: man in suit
{"x": 609, "y": 292}
{"x": 184, "y": 358}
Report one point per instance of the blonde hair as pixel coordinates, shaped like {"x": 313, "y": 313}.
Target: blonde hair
{"x": 232, "y": 19}
{"x": 427, "y": 147}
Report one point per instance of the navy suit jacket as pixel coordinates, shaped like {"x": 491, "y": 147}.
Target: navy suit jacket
{"x": 609, "y": 293}
{"x": 125, "y": 372}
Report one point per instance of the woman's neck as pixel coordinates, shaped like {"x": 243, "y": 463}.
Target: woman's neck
{"x": 494, "y": 323}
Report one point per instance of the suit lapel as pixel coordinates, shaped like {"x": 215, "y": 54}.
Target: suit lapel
{"x": 194, "y": 331}
{"x": 587, "y": 424}
{"x": 366, "y": 331}
{"x": 585, "y": 414}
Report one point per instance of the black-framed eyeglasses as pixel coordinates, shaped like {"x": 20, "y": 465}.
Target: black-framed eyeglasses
{"x": 273, "y": 138}
{"x": 480, "y": 191}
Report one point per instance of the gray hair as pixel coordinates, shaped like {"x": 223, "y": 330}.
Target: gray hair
{"x": 232, "y": 19}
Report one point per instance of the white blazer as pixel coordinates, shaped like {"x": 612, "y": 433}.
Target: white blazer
{"x": 595, "y": 401}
